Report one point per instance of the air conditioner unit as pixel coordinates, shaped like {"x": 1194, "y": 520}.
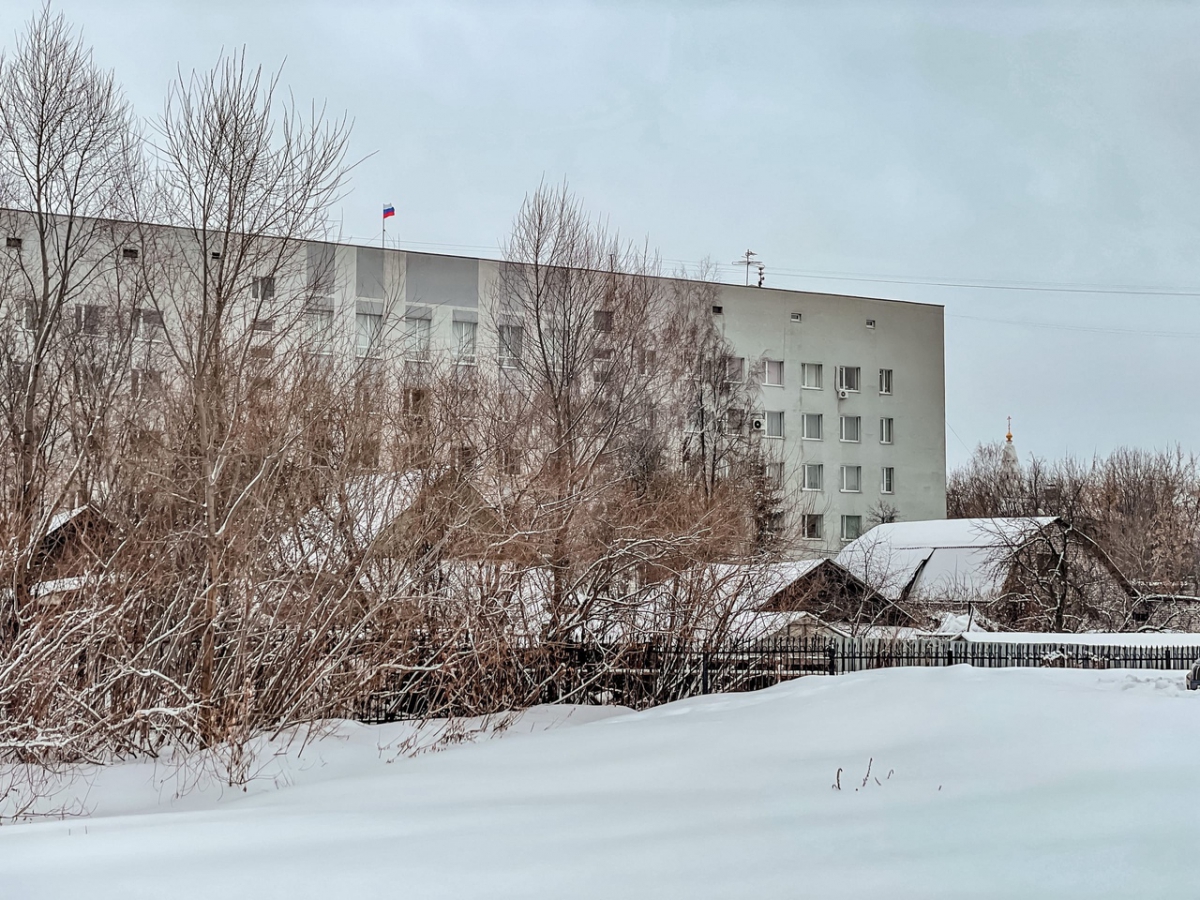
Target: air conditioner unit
{"x": 758, "y": 423}
{"x": 843, "y": 394}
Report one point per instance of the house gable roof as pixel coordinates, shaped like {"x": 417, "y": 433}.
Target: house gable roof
{"x": 931, "y": 558}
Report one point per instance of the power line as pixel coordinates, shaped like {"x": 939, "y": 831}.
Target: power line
{"x": 1093, "y": 329}
{"x": 1050, "y": 287}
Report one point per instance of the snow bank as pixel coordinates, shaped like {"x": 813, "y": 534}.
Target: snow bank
{"x": 954, "y": 782}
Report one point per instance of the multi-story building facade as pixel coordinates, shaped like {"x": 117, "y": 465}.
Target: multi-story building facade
{"x": 849, "y": 391}
{"x": 844, "y": 395}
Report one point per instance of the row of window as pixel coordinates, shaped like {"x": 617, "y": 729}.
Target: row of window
{"x": 812, "y": 426}
{"x": 812, "y": 375}
{"x": 148, "y": 324}
{"x": 851, "y": 478}
{"x": 812, "y": 527}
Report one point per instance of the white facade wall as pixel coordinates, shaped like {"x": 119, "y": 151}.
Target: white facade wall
{"x": 832, "y": 331}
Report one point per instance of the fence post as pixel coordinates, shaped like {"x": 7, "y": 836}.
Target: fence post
{"x": 832, "y": 652}
{"x": 704, "y": 672}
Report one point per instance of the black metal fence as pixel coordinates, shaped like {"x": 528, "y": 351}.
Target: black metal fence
{"x": 640, "y": 676}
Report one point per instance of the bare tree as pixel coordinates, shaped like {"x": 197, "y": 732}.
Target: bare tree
{"x": 68, "y": 169}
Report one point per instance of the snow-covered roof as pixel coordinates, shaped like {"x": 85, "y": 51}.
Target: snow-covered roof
{"x": 937, "y": 557}
{"x": 357, "y": 514}
{"x": 59, "y": 519}
{"x": 759, "y": 582}
{"x": 1087, "y": 638}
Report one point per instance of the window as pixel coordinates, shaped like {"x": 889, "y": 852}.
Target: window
{"x": 885, "y": 429}
{"x": 814, "y": 477}
{"x": 602, "y": 362}
{"x": 262, "y": 352}
{"x": 773, "y": 372}
{"x": 512, "y": 337}
{"x": 735, "y": 368}
{"x": 263, "y": 288}
{"x": 735, "y": 421}
{"x": 262, "y": 325}
{"x": 852, "y": 479}
{"x": 129, "y": 253}
{"x": 851, "y": 527}
{"x": 852, "y": 429}
{"x": 88, "y": 318}
{"x": 144, "y": 382}
{"x": 319, "y": 325}
{"x": 465, "y": 456}
{"x": 887, "y": 480}
{"x": 148, "y": 325}
{"x": 811, "y": 427}
{"x": 644, "y": 358}
{"x": 368, "y": 329}
{"x": 215, "y": 255}
{"x": 464, "y": 341}
{"x": 511, "y": 459}
{"x": 602, "y": 320}
{"x": 849, "y": 378}
{"x": 415, "y": 403}
{"x": 772, "y": 524}
{"x": 885, "y": 381}
{"x": 810, "y": 376}
{"x": 870, "y": 323}
{"x": 774, "y": 424}
{"x": 773, "y": 475}
{"x": 417, "y": 333}
{"x": 718, "y": 310}
{"x": 796, "y": 317}
{"x": 30, "y": 317}
{"x": 13, "y": 243}
{"x": 811, "y": 527}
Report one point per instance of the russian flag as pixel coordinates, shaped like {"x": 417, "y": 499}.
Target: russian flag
{"x": 389, "y": 211}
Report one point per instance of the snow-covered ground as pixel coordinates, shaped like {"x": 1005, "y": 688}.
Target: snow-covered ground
{"x": 982, "y": 783}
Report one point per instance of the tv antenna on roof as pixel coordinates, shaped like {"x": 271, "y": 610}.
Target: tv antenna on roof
{"x": 748, "y": 260}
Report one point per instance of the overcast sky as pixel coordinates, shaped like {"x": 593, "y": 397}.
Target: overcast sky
{"x": 858, "y": 148}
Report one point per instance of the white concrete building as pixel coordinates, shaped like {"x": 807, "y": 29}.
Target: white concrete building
{"x": 851, "y": 389}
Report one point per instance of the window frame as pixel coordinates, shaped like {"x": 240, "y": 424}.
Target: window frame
{"x": 858, "y": 479}
{"x": 262, "y": 288}
{"x": 458, "y": 332}
{"x": 857, "y": 439}
{"x": 887, "y": 430}
{"x": 777, "y": 416}
{"x": 806, "y": 483}
{"x": 149, "y": 325}
{"x": 846, "y": 536}
{"x": 804, "y": 432}
{"x": 773, "y": 474}
{"x": 418, "y": 338}
{"x": 843, "y": 383}
{"x": 733, "y": 422}
{"x": 885, "y": 382}
{"x": 805, "y": 369}
{"x": 766, "y": 379}
{"x": 812, "y": 534}
{"x": 318, "y": 327}
{"x": 741, "y": 369}
{"x": 887, "y": 480}
{"x": 504, "y": 338}
{"x": 373, "y": 348}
